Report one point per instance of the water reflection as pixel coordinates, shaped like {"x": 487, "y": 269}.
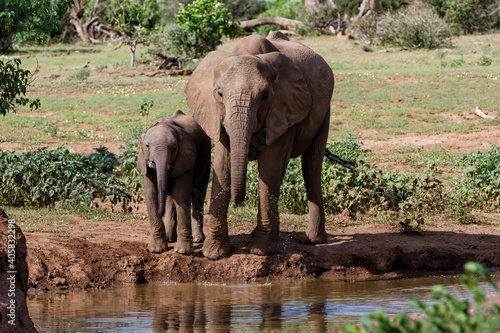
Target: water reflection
{"x": 313, "y": 306}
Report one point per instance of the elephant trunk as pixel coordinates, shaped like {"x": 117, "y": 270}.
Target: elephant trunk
{"x": 161, "y": 180}
{"x": 239, "y": 135}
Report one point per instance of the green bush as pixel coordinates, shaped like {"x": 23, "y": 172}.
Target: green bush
{"x": 445, "y": 314}
{"x": 416, "y": 26}
{"x": 365, "y": 29}
{"x": 469, "y": 16}
{"x": 482, "y": 170}
{"x": 46, "y": 176}
{"x": 320, "y": 19}
{"x": 128, "y": 161}
{"x": 209, "y": 20}
{"x": 82, "y": 74}
{"x": 356, "y": 191}
{"x": 177, "y": 41}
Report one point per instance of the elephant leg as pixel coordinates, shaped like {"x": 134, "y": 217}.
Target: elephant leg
{"x": 272, "y": 164}
{"x": 217, "y": 244}
{"x": 170, "y": 219}
{"x": 312, "y": 163}
{"x": 198, "y": 200}
{"x": 181, "y": 194}
{"x": 157, "y": 238}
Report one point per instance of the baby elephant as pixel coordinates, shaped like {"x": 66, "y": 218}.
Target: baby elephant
{"x": 175, "y": 161}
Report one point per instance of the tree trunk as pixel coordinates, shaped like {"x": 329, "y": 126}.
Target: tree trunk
{"x": 83, "y": 28}
{"x": 132, "y": 55}
{"x": 80, "y": 30}
{"x": 284, "y": 22}
{"x": 367, "y": 8}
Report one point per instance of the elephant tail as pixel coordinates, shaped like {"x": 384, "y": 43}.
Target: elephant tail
{"x": 337, "y": 159}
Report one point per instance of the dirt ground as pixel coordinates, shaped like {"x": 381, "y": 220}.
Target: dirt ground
{"x": 95, "y": 254}
{"x": 100, "y": 254}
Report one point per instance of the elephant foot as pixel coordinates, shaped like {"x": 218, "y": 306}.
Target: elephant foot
{"x": 171, "y": 236}
{"x": 198, "y": 237}
{"x": 183, "y": 247}
{"x": 261, "y": 246}
{"x": 216, "y": 249}
{"x": 314, "y": 237}
{"x": 157, "y": 245}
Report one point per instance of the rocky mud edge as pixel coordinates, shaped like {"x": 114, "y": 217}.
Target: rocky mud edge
{"x": 115, "y": 253}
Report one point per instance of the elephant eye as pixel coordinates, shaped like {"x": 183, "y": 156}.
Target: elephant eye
{"x": 265, "y": 95}
{"x": 147, "y": 145}
{"x": 219, "y": 92}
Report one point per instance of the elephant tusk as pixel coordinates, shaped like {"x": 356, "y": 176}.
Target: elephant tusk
{"x": 151, "y": 164}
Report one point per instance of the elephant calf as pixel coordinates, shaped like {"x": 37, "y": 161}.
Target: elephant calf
{"x": 175, "y": 161}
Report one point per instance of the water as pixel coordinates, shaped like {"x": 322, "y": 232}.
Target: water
{"x": 291, "y": 306}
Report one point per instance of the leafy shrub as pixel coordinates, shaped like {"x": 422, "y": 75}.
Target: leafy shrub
{"x": 412, "y": 226}
{"x": 356, "y": 191}
{"x": 82, "y": 74}
{"x": 482, "y": 170}
{"x": 365, "y": 29}
{"x": 469, "y": 16}
{"x": 177, "y": 41}
{"x": 128, "y": 161}
{"x": 320, "y": 18}
{"x": 483, "y": 61}
{"x": 445, "y": 314}
{"x": 44, "y": 177}
{"x": 210, "y": 20}
{"x": 416, "y": 26}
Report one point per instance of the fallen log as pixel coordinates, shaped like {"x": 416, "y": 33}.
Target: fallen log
{"x": 168, "y": 62}
{"x": 284, "y": 22}
{"x": 482, "y": 114}
{"x": 364, "y": 48}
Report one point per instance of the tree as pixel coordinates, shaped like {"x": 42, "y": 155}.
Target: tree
{"x": 13, "y": 84}
{"x": 84, "y": 21}
{"x": 368, "y": 8}
{"x": 23, "y": 16}
{"x": 210, "y": 20}
{"x": 134, "y": 22}
{"x": 40, "y": 17}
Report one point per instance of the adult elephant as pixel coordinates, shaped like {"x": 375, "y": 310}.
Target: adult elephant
{"x": 269, "y": 100}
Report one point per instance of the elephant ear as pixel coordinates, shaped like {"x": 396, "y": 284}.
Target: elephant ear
{"x": 199, "y": 94}
{"x": 291, "y": 101}
{"x": 141, "y": 162}
{"x": 186, "y": 154}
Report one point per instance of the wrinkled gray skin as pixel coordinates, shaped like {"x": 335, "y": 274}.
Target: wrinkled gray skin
{"x": 269, "y": 101}
{"x": 175, "y": 161}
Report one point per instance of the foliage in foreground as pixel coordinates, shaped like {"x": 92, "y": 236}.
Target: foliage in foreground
{"x": 45, "y": 177}
{"x": 446, "y": 314}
